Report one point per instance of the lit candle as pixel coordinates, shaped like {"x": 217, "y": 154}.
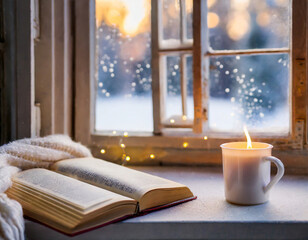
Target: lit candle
{"x": 246, "y": 169}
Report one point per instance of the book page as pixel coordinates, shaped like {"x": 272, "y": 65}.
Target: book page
{"x": 77, "y": 193}
{"x": 113, "y": 177}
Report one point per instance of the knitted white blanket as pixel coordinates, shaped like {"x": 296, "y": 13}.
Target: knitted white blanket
{"x": 25, "y": 154}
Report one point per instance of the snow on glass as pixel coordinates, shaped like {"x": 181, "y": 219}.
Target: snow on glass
{"x": 249, "y": 89}
{"x": 173, "y": 87}
{"x": 171, "y": 19}
{"x": 248, "y": 93}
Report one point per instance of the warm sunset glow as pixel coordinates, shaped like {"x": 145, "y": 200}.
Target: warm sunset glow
{"x": 239, "y": 20}
{"x": 129, "y": 16}
{"x": 173, "y": 9}
{"x": 240, "y": 5}
{"x": 210, "y": 3}
{"x": 249, "y": 145}
{"x": 189, "y": 6}
{"x": 282, "y": 2}
{"x": 263, "y": 18}
{"x": 238, "y": 25}
{"x": 212, "y": 20}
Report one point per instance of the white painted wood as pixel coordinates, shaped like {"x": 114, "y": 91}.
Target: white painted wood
{"x": 24, "y": 84}
{"x": 68, "y": 68}
{"x": 36, "y": 19}
{"x": 247, "y": 51}
{"x": 53, "y": 57}
{"x": 183, "y": 73}
{"x": 84, "y": 69}
{"x": 63, "y": 67}
{"x": 158, "y": 66}
{"x": 160, "y": 50}
{"x": 183, "y": 30}
{"x": 45, "y": 67}
{"x": 59, "y": 66}
{"x": 175, "y": 45}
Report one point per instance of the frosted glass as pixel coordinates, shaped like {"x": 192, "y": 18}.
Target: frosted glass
{"x": 249, "y": 90}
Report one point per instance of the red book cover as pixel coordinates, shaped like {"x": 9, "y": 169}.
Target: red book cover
{"x": 142, "y": 213}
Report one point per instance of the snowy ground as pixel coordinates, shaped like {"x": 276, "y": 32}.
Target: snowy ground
{"x": 135, "y": 114}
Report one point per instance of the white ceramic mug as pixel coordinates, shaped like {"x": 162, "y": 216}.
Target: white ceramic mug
{"x": 247, "y": 172}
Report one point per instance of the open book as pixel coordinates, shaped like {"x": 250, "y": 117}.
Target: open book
{"x": 83, "y": 193}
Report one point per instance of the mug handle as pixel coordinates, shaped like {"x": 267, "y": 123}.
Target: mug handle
{"x": 280, "y": 172}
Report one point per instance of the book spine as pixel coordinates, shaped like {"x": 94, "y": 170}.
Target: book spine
{"x": 137, "y": 209}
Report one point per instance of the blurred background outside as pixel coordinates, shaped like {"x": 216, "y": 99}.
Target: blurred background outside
{"x": 244, "y": 89}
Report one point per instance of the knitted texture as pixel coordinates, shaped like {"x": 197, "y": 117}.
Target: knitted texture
{"x": 24, "y": 154}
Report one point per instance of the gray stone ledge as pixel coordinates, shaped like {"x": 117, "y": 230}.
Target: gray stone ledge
{"x": 285, "y": 216}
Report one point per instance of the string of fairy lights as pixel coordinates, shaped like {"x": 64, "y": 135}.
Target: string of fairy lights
{"x": 125, "y": 158}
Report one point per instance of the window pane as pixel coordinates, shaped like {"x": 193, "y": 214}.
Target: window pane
{"x": 189, "y": 18}
{"x": 189, "y": 77}
{"x": 247, "y": 24}
{"x": 173, "y": 103}
{"x": 249, "y": 90}
{"x": 124, "y": 100}
{"x": 171, "y": 19}
{"x": 173, "y": 97}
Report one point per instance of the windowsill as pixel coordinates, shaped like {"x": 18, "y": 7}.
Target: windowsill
{"x": 285, "y": 216}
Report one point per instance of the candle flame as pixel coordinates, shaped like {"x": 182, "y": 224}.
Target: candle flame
{"x": 249, "y": 145}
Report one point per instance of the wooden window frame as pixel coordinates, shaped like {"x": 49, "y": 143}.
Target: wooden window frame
{"x": 167, "y": 144}
{"x": 54, "y": 67}
{"x": 38, "y": 62}
{"x": 17, "y": 82}
{"x": 161, "y": 49}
